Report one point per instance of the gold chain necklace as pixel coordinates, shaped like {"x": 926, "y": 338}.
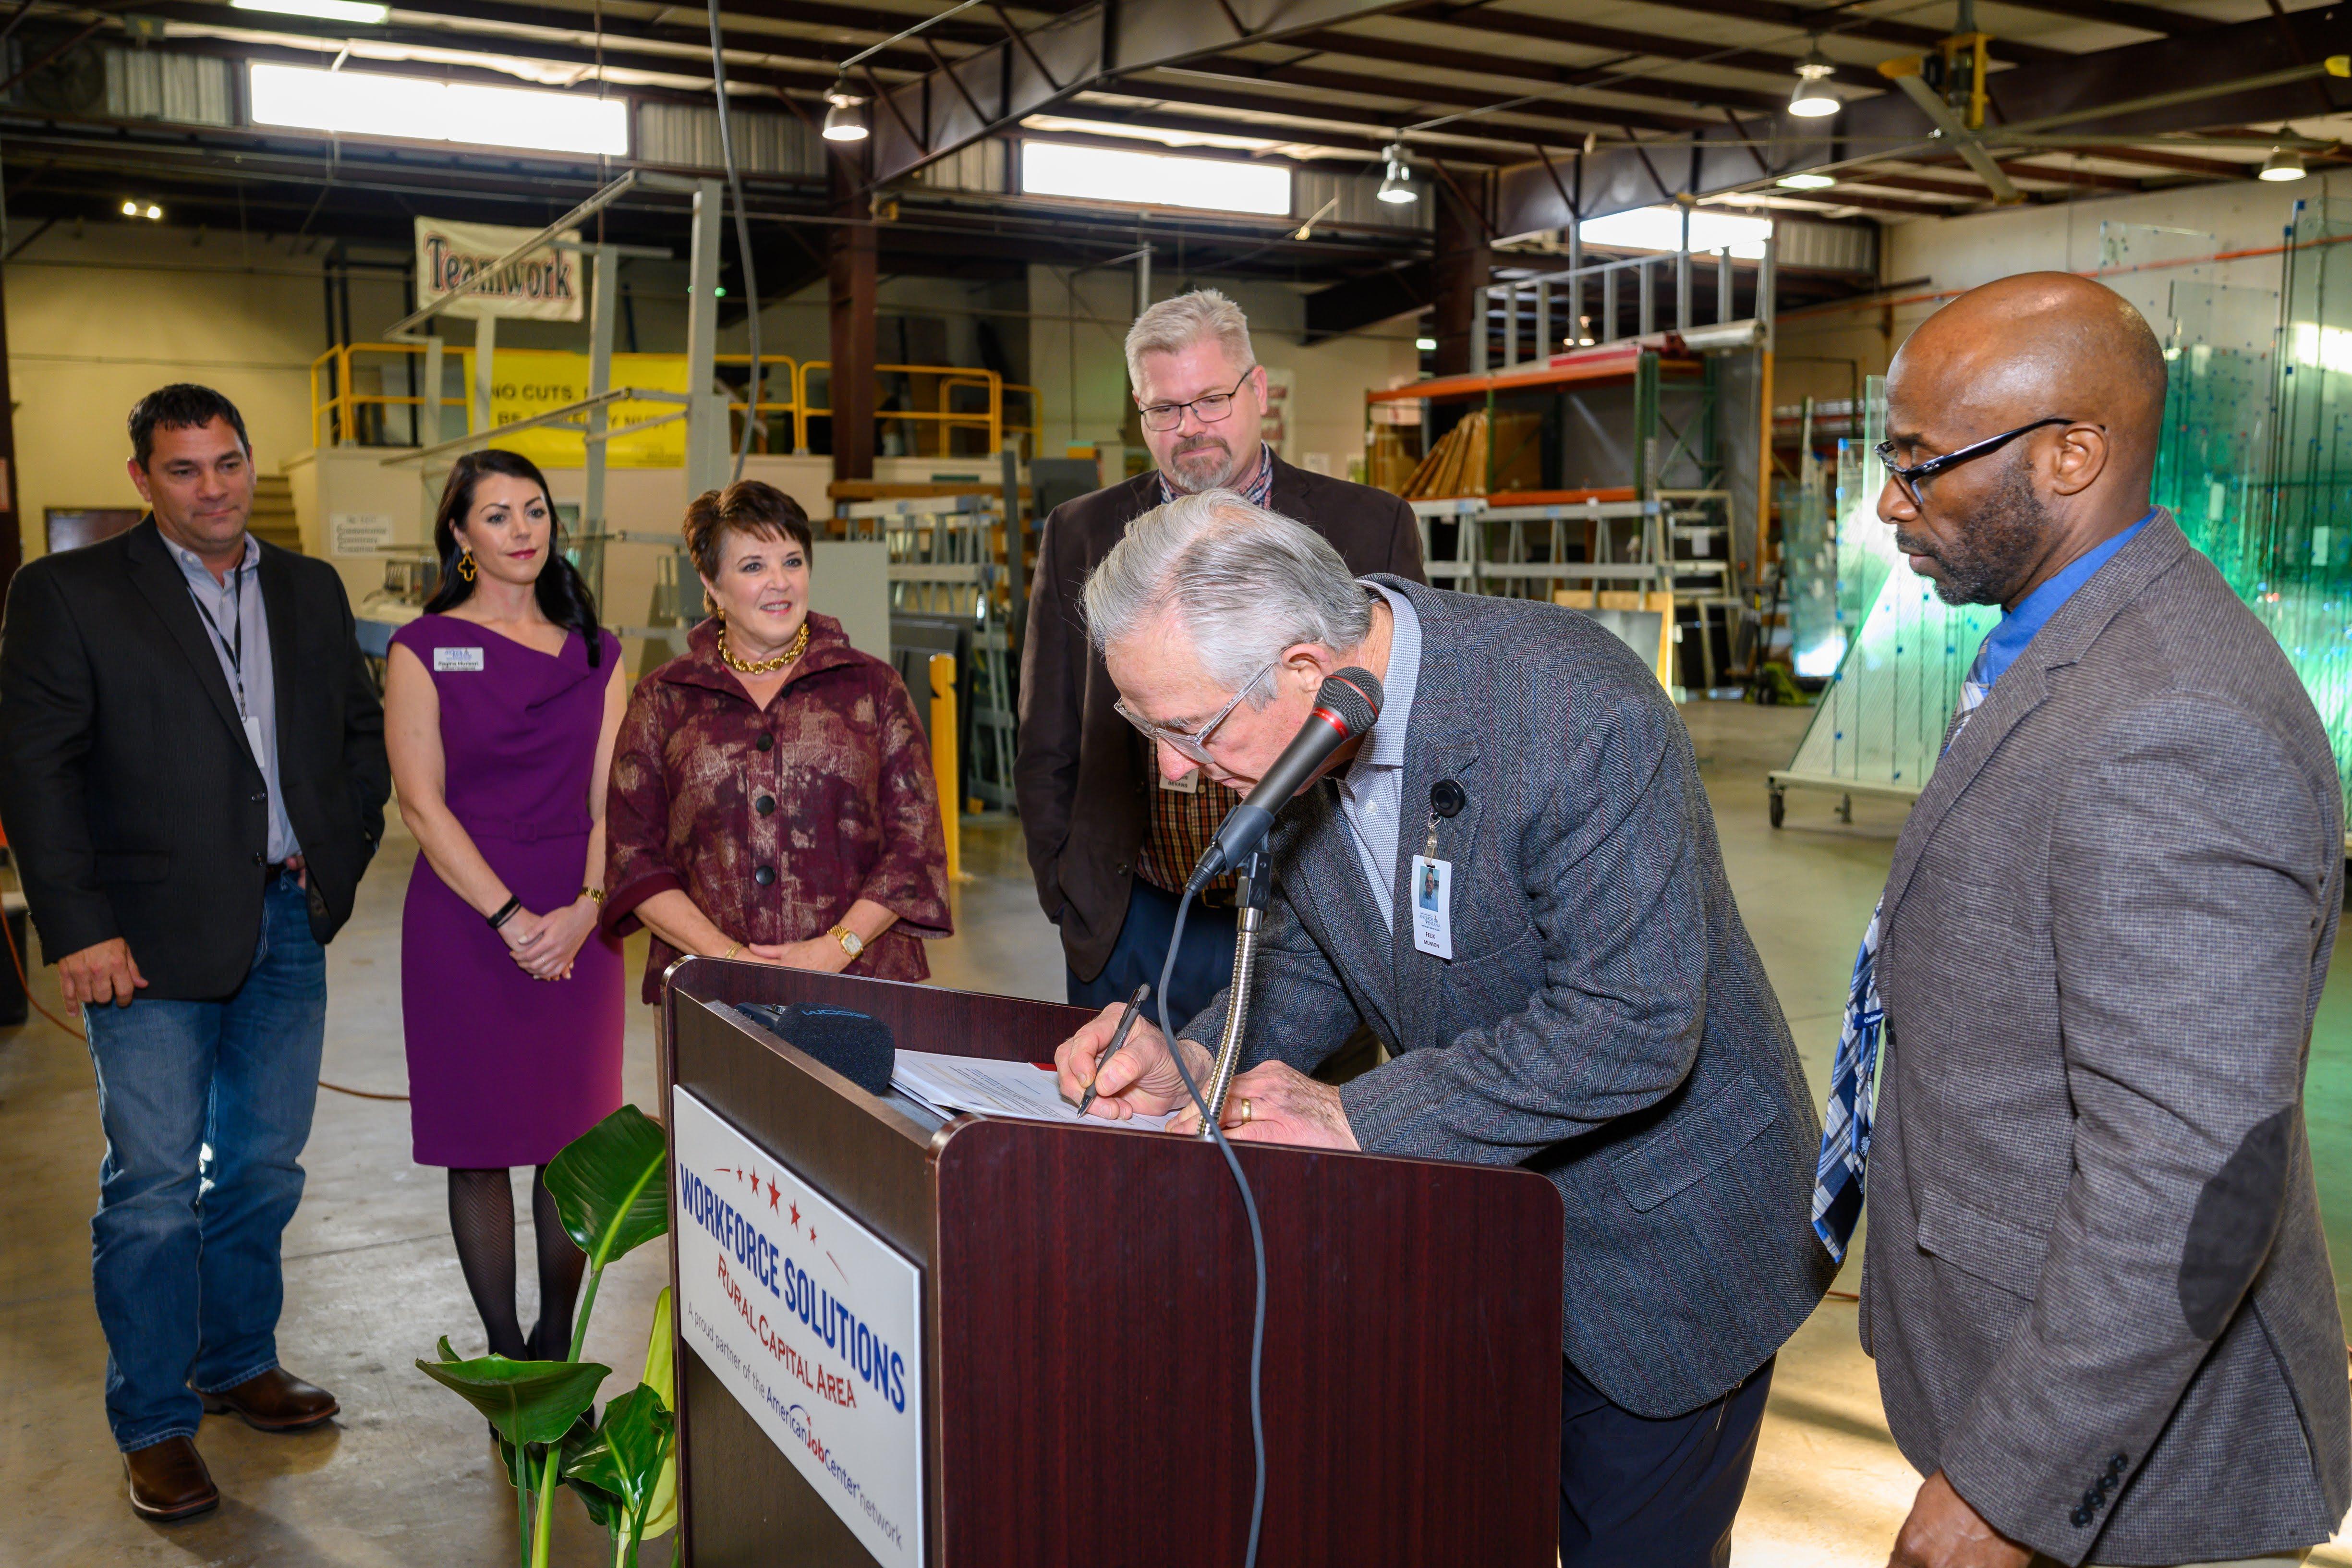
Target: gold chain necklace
{"x": 784, "y": 660}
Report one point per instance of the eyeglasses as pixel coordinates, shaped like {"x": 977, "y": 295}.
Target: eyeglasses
{"x": 1912, "y": 478}
{"x": 1207, "y": 410}
{"x": 1191, "y": 743}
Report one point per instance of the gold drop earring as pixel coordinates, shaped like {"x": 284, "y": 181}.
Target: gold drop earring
{"x": 466, "y": 568}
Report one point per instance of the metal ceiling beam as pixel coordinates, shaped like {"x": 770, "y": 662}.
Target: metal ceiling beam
{"x": 2122, "y": 14}
{"x": 1839, "y": 199}
{"x": 1806, "y": 18}
{"x": 1483, "y": 18}
{"x": 624, "y": 50}
{"x": 1414, "y": 95}
{"x": 2016, "y": 170}
{"x": 1402, "y": 51}
{"x": 2156, "y": 158}
{"x": 925, "y": 119}
{"x": 2107, "y": 90}
{"x": 1211, "y": 124}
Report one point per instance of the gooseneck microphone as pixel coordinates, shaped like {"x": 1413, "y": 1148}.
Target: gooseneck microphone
{"x": 1345, "y": 705}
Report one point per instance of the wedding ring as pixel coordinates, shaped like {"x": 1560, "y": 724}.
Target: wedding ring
{"x": 1245, "y": 1113}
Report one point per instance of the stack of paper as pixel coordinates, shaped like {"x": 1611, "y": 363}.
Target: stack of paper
{"x": 949, "y": 1085}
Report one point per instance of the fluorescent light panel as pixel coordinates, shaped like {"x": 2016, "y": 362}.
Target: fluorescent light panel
{"x": 1153, "y": 179}
{"x": 324, "y": 10}
{"x": 363, "y": 104}
{"x": 1661, "y": 228}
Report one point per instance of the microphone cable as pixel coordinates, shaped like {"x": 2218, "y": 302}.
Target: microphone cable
{"x": 1249, "y": 1207}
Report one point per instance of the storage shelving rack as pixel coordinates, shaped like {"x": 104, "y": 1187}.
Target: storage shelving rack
{"x": 1645, "y": 544}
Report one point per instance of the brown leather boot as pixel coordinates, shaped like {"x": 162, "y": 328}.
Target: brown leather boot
{"x": 168, "y": 1480}
{"x": 274, "y": 1401}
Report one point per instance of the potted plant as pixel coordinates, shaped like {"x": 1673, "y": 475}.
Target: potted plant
{"x": 611, "y": 1187}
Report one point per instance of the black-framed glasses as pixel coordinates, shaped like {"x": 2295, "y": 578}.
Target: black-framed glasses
{"x": 1910, "y": 478}
{"x": 1190, "y": 744}
{"x": 1207, "y": 410}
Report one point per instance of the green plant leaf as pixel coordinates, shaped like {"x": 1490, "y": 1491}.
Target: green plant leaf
{"x": 526, "y": 1401}
{"x": 626, "y": 1456}
{"x": 661, "y": 1376}
{"x": 603, "y": 1508}
{"x": 611, "y": 1184}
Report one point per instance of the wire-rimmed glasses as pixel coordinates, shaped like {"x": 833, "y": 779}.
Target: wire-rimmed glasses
{"x": 1193, "y": 745}
{"x": 1208, "y": 410}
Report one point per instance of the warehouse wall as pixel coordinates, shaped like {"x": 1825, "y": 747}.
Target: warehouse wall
{"x": 102, "y": 313}
{"x": 1933, "y": 255}
{"x": 1079, "y": 325}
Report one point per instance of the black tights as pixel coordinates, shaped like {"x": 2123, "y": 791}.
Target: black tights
{"x": 482, "y": 1217}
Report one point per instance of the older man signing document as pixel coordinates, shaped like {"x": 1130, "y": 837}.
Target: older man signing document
{"x": 1573, "y": 991}
{"x": 2095, "y": 1281}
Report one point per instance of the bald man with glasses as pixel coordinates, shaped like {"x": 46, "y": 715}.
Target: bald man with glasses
{"x": 1110, "y": 839}
{"x": 2071, "y": 1079}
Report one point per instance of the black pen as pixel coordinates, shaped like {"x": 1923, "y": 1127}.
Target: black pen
{"x": 1126, "y": 1022}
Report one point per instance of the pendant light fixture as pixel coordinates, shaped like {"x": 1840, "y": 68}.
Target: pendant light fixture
{"x": 845, "y": 120}
{"x": 2284, "y": 163}
{"x": 1396, "y": 187}
{"x": 1812, "y": 98}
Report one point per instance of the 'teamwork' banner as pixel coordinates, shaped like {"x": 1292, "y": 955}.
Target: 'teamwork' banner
{"x": 543, "y": 285}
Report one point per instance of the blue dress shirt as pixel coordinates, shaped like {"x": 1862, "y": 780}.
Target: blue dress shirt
{"x": 2007, "y": 640}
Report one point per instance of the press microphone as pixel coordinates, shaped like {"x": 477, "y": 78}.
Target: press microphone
{"x": 1346, "y": 706}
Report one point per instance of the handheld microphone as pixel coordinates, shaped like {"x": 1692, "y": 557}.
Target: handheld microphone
{"x": 1345, "y": 705}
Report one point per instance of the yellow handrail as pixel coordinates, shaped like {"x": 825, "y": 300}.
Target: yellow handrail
{"x": 343, "y": 403}
{"x": 340, "y": 406}
{"x": 946, "y": 418}
{"x": 791, "y": 405}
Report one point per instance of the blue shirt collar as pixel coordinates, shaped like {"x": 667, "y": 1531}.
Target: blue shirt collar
{"x": 2018, "y": 627}
{"x": 1384, "y": 748}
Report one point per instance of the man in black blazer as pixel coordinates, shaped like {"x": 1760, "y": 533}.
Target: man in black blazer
{"x": 1110, "y": 839}
{"x": 193, "y": 778}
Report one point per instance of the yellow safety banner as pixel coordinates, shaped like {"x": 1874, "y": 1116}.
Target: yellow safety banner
{"x": 530, "y": 382}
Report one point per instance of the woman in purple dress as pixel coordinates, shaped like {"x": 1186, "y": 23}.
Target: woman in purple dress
{"x": 501, "y": 705}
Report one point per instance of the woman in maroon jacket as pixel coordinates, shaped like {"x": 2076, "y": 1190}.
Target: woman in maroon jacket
{"x": 771, "y": 796}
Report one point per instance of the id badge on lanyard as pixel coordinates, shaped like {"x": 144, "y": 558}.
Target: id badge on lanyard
{"x": 1432, "y": 887}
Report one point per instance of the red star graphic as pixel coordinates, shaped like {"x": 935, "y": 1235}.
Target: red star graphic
{"x": 812, "y": 1233}
{"x": 774, "y": 1192}
{"x": 796, "y": 1216}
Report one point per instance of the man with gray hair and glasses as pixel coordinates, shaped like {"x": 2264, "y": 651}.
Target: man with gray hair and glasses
{"x": 1575, "y": 992}
{"x": 1111, "y": 839}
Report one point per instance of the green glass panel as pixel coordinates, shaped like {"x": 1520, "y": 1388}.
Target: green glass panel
{"x": 1881, "y": 720}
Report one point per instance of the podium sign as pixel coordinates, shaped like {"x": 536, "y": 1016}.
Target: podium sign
{"x": 812, "y": 1321}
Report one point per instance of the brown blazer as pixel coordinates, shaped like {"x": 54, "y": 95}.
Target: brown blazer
{"x": 1081, "y": 770}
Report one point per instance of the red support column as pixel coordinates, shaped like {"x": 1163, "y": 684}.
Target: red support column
{"x": 850, "y": 274}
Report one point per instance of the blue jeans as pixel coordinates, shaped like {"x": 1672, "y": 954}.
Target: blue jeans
{"x": 1203, "y": 967}
{"x": 206, "y": 1105}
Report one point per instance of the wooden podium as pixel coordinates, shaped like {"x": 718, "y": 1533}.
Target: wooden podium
{"x": 1086, "y": 1305}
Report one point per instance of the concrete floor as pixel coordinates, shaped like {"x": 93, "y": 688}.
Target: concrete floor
{"x": 406, "y": 1476}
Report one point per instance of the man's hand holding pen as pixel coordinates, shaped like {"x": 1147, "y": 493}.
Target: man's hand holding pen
{"x": 1270, "y": 1103}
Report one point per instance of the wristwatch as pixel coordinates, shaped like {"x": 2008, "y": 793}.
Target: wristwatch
{"x": 851, "y": 942}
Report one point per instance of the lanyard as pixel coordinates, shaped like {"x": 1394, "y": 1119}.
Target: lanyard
{"x": 234, "y": 650}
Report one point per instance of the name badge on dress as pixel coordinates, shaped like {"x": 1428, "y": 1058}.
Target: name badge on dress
{"x": 461, "y": 659}
{"x": 1433, "y": 893}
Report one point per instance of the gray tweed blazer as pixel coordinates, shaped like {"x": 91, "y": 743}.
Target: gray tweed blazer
{"x": 1605, "y": 1019}
{"x": 2094, "y": 1278}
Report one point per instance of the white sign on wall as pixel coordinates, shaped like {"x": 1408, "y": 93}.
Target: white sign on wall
{"x": 812, "y": 1322}
{"x": 543, "y": 285}
{"x": 361, "y": 532}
